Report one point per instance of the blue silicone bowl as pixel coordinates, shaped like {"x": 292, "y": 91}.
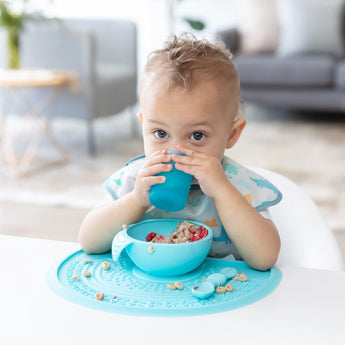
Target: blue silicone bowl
{"x": 165, "y": 259}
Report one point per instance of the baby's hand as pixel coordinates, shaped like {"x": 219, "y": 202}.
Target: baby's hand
{"x": 207, "y": 170}
{"x": 146, "y": 176}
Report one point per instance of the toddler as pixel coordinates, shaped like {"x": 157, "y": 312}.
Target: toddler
{"x": 189, "y": 102}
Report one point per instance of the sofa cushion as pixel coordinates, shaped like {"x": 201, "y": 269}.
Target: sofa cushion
{"x": 319, "y": 99}
{"x": 300, "y": 71}
{"x": 340, "y": 75}
{"x": 310, "y": 26}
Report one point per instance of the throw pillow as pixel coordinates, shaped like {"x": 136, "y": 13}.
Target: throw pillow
{"x": 258, "y": 26}
{"x": 310, "y": 26}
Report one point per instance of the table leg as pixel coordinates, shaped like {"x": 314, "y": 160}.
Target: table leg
{"x": 19, "y": 166}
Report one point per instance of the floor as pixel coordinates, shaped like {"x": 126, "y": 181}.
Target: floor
{"x": 47, "y": 222}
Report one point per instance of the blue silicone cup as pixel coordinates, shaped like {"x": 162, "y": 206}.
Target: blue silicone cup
{"x": 161, "y": 259}
{"x": 172, "y": 195}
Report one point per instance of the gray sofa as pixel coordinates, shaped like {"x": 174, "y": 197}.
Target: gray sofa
{"x": 103, "y": 53}
{"x": 311, "y": 82}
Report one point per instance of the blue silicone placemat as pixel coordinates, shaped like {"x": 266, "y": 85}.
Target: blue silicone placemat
{"x": 128, "y": 290}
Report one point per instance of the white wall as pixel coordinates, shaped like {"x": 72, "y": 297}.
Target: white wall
{"x": 151, "y": 16}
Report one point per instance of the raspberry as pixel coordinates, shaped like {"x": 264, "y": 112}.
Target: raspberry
{"x": 199, "y": 235}
{"x": 191, "y": 231}
{"x": 203, "y": 233}
{"x": 150, "y": 236}
{"x": 194, "y": 238}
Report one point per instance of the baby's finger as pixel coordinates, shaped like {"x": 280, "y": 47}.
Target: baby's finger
{"x": 187, "y": 168}
{"x": 164, "y": 152}
{"x": 152, "y": 180}
{"x": 158, "y": 159}
{"x": 155, "y": 169}
{"x": 188, "y": 152}
{"x": 188, "y": 160}
{"x": 156, "y": 153}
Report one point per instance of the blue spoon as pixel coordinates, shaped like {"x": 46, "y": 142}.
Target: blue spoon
{"x": 206, "y": 289}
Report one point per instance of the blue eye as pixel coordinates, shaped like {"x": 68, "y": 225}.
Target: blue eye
{"x": 161, "y": 134}
{"x": 197, "y": 136}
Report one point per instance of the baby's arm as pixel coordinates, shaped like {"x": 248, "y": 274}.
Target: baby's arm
{"x": 255, "y": 237}
{"x": 102, "y": 223}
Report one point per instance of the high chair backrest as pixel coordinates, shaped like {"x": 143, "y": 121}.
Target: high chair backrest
{"x": 306, "y": 239}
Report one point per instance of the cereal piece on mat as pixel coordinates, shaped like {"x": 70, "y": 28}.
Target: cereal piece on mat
{"x": 87, "y": 260}
{"x": 86, "y": 273}
{"x": 99, "y": 296}
{"x": 229, "y": 288}
{"x": 179, "y": 285}
{"x": 106, "y": 265}
{"x": 221, "y": 289}
{"x": 241, "y": 277}
{"x": 171, "y": 286}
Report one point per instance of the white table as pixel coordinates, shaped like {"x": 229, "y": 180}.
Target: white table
{"x": 308, "y": 307}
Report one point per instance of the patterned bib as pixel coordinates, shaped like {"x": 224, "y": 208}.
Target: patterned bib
{"x": 259, "y": 192}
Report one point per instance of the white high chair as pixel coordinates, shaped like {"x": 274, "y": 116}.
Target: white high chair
{"x": 306, "y": 239}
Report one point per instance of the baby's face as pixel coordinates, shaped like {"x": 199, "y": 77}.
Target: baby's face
{"x": 200, "y": 119}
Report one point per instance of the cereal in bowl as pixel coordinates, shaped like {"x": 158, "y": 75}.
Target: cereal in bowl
{"x": 184, "y": 232}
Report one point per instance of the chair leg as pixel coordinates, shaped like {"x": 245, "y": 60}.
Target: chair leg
{"x": 91, "y": 140}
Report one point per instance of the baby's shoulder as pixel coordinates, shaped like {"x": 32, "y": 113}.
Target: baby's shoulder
{"x": 123, "y": 180}
{"x": 256, "y": 189}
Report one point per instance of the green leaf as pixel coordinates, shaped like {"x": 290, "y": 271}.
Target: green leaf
{"x": 15, "y": 21}
{"x": 195, "y": 23}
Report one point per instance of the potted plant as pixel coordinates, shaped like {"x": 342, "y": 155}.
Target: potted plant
{"x": 13, "y": 15}
{"x": 194, "y": 23}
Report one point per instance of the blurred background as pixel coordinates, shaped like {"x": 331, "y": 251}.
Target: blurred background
{"x": 291, "y": 61}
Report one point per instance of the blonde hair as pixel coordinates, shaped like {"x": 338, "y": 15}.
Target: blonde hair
{"x": 185, "y": 60}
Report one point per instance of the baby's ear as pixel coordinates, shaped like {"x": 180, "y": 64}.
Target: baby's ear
{"x": 140, "y": 118}
{"x": 236, "y": 130}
